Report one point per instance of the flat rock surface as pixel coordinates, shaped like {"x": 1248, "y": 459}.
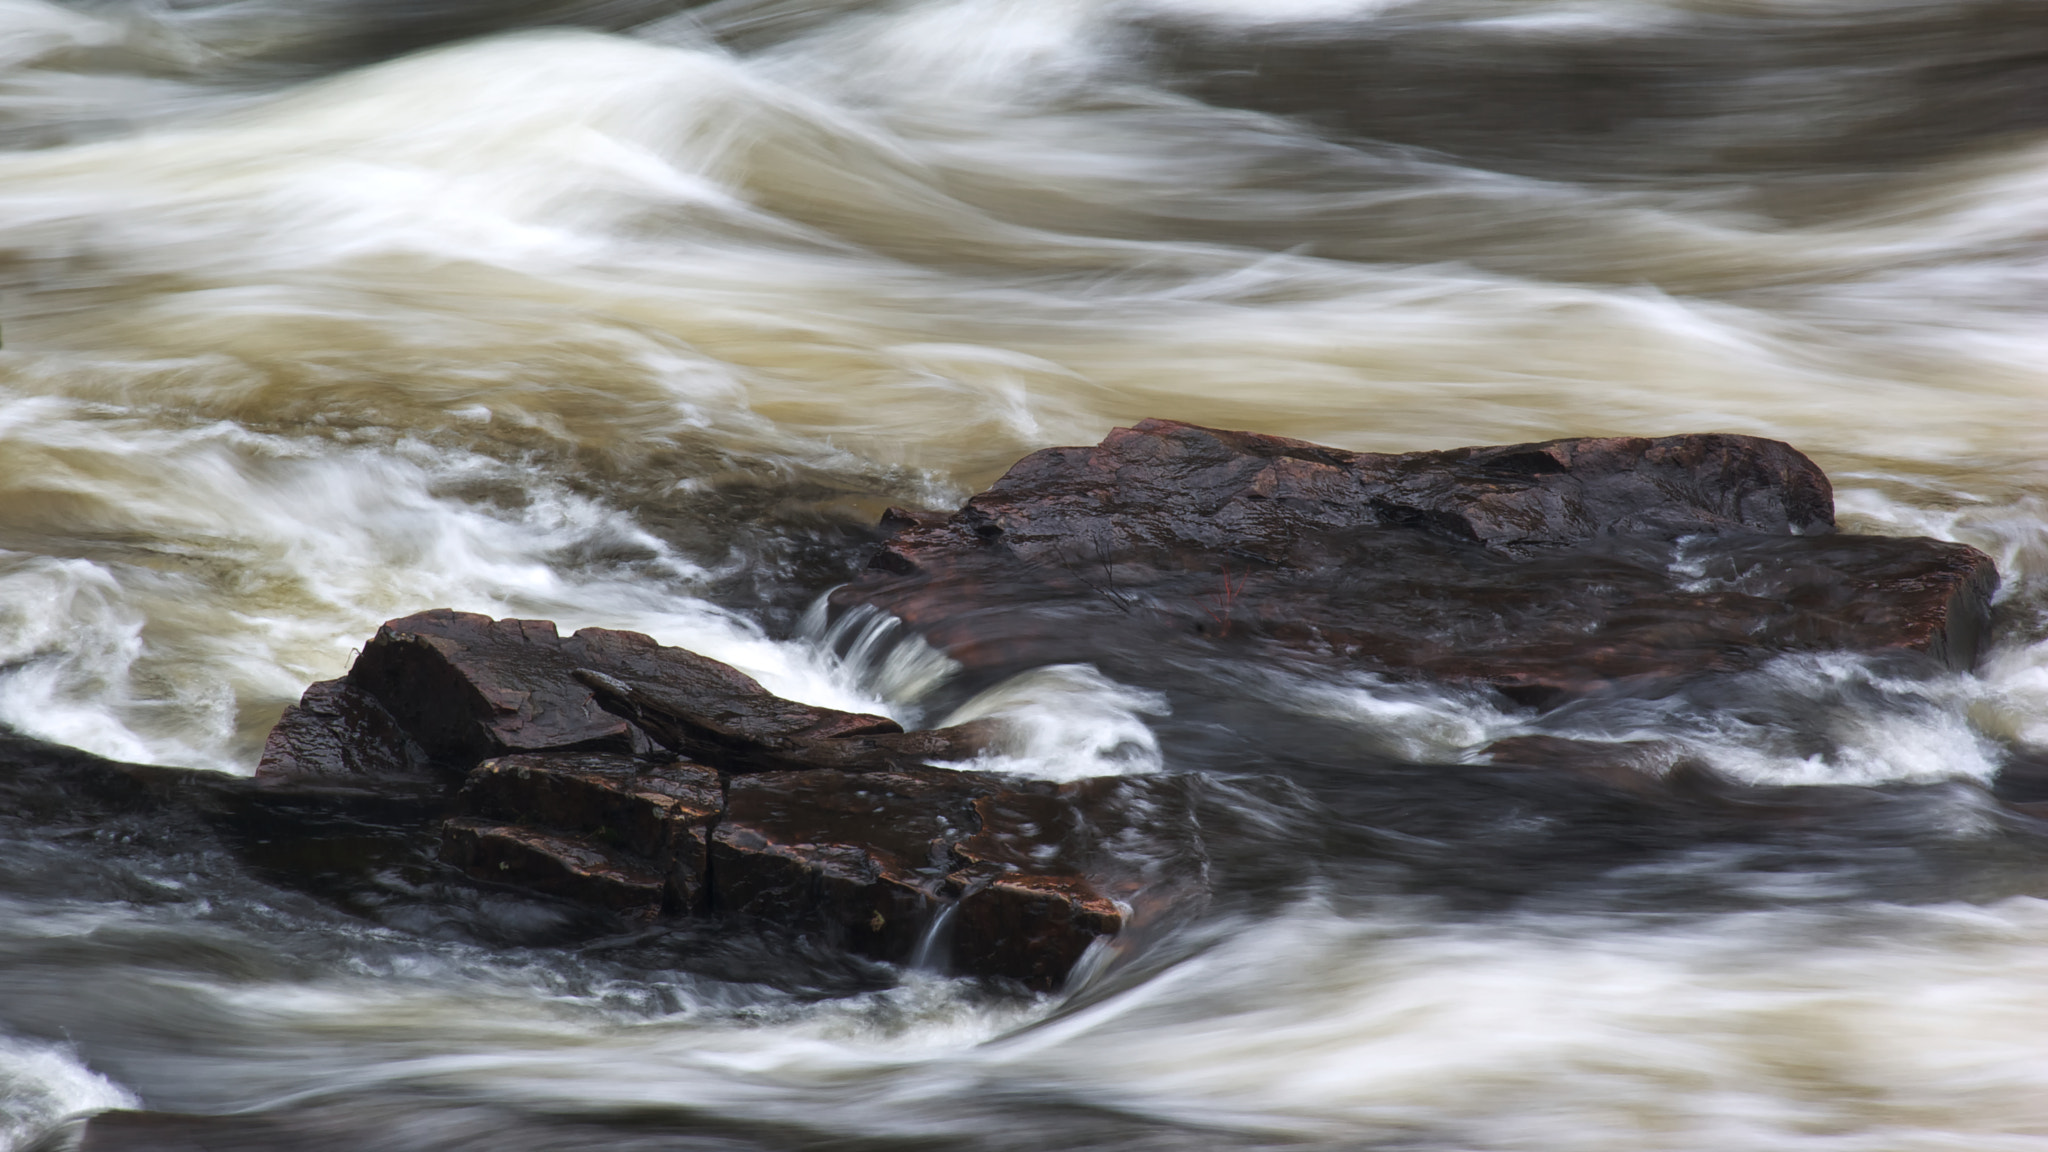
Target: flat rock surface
{"x": 1547, "y": 570}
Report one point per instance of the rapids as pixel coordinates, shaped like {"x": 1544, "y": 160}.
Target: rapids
{"x": 315, "y": 313}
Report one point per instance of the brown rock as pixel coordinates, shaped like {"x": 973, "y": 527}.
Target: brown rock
{"x": 849, "y": 742}
{"x": 339, "y": 733}
{"x": 466, "y": 687}
{"x": 1548, "y": 570}
{"x": 862, "y": 855}
{"x": 725, "y": 708}
{"x": 1031, "y": 928}
{"x": 991, "y": 877}
{"x": 1055, "y": 868}
{"x": 660, "y": 812}
{"x": 553, "y": 863}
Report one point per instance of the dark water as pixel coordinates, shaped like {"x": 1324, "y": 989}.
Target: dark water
{"x": 635, "y": 314}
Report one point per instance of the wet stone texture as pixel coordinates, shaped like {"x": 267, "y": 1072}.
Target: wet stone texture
{"x": 659, "y": 813}
{"x": 862, "y": 855}
{"x": 611, "y": 771}
{"x": 1055, "y": 869}
{"x": 573, "y": 867}
{"x": 1548, "y": 571}
{"x": 341, "y": 733}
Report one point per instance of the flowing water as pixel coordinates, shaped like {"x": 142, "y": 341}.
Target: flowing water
{"x": 629, "y": 313}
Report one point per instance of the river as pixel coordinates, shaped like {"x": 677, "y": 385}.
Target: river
{"x": 315, "y": 313}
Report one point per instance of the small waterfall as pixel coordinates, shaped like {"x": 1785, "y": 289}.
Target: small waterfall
{"x": 934, "y": 949}
{"x": 878, "y": 652}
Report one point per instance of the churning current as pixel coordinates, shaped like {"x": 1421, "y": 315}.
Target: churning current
{"x": 632, "y": 313}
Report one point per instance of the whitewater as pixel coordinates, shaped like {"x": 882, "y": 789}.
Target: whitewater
{"x": 637, "y": 314}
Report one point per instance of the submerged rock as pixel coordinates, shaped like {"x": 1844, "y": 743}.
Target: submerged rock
{"x": 1547, "y": 570}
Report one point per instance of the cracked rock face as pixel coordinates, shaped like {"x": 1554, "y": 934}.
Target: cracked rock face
{"x": 658, "y": 813}
{"x": 1548, "y": 571}
{"x": 608, "y": 770}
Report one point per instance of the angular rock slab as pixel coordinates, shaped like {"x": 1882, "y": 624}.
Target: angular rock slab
{"x": 340, "y": 734}
{"x": 467, "y": 687}
{"x": 661, "y": 813}
{"x": 851, "y": 743}
{"x": 1547, "y": 570}
{"x": 1058, "y": 869}
{"x": 969, "y": 871}
{"x": 863, "y": 856}
{"x": 553, "y": 863}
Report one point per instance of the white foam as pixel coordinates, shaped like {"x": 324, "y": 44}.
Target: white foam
{"x": 307, "y": 545}
{"x": 1065, "y": 722}
{"x": 1413, "y": 721}
{"x": 44, "y": 1084}
{"x": 1868, "y": 1029}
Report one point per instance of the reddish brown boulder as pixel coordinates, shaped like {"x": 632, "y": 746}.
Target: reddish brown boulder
{"x": 862, "y": 855}
{"x": 558, "y": 865}
{"x": 1054, "y": 869}
{"x": 849, "y": 742}
{"x": 661, "y": 813}
{"x": 337, "y": 733}
{"x": 836, "y": 824}
{"x": 466, "y": 687}
{"x": 1548, "y": 570}
{"x": 976, "y": 873}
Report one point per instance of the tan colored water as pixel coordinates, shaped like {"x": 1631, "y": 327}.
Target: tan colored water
{"x": 578, "y": 324}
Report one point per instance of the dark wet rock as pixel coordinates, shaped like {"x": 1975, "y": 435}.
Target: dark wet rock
{"x": 681, "y": 722}
{"x": 729, "y": 709}
{"x": 125, "y": 1130}
{"x": 2022, "y": 780}
{"x": 960, "y": 870}
{"x": 467, "y": 687}
{"x": 1055, "y": 869}
{"x": 1547, "y": 570}
{"x": 45, "y": 782}
{"x": 824, "y": 820}
{"x": 863, "y": 855}
{"x": 659, "y": 812}
{"x": 571, "y": 867}
{"x": 338, "y": 732}
{"x": 611, "y": 771}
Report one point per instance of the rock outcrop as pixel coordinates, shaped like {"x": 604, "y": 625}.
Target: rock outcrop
{"x": 609, "y": 770}
{"x": 1548, "y": 571}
